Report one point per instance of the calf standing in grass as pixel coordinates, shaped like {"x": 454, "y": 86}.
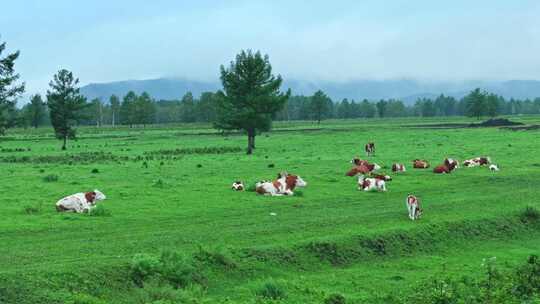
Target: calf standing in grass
{"x": 283, "y": 185}
{"x": 80, "y": 202}
{"x": 413, "y": 207}
{"x": 370, "y": 148}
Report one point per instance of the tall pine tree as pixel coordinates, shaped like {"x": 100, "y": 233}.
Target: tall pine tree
{"x": 36, "y": 110}
{"x": 475, "y": 103}
{"x": 115, "y": 109}
{"x": 250, "y": 96}
{"x": 320, "y": 106}
{"x": 66, "y": 105}
{"x": 10, "y": 89}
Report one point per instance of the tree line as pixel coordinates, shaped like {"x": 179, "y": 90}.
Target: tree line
{"x": 141, "y": 110}
{"x": 249, "y": 101}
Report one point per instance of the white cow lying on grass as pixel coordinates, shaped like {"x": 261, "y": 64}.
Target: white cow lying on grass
{"x": 371, "y": 184}
{"x": 284, "y": 185}
{"x": 80, "y": 202}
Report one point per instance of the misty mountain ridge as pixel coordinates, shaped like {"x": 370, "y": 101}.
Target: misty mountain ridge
{"x": 406, "y": 90}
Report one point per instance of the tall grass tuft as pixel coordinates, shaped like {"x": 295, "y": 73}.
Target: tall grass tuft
{"x": 271, "y": 290}
{"x": 530, "y": 214}
{"x": 335, "y": 298}
{"x": 99, "y": 210}
{"x": 51, "y": 178}
{"x": 172, "y": 268}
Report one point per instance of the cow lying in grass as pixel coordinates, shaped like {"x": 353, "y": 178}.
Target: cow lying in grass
{"x": 451, "y": 163}
{"x": 238, "y": 186}
{"x": 413, "y": 207}
{"x": 477, "y": 161}
{"x": 283, "y": 185}
{"x": 448, "y": 166}
{"x": 80, "y": 202}
{"x": 420, "y": 164}
{"x": 362, "y": 167}
{"x": 371, "y": 184}
{"x": 494, "y": 167}
{"x": 383, "y": 177}
{"x": 398, "y": 168}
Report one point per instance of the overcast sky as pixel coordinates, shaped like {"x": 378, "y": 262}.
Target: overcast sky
{"x": 105, "y": 40}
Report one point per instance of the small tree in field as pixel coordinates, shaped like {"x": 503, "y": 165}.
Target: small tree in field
{"x": 36, "y": 110}
{"x": 250, "y": 96}
{"x": 115, "y": 108}
{"x": 492, "y": 105}
{"x": 475, "y": 103}
{"x": 9, "y": 89}
{"x": 65, "y": 105}
{"x": 320, "y": 105}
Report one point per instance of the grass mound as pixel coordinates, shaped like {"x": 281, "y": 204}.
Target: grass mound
{"x": 496, "y": 122}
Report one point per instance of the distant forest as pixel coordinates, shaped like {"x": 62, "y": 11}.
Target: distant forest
{"x": 141, "y": 110}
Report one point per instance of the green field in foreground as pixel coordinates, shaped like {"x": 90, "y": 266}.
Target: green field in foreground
{"x": 168, "y": 190}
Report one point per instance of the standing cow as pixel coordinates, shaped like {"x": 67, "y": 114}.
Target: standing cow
{"x": 80, "y": 202}
{"x": 370, "y": 148}
{"x": 413, "y": 207}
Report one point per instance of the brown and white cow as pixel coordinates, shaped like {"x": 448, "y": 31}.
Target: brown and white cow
{"x": 370, "y": 148}
{"x": 413, "y": 207}
{"x": 420, "y": 164}
{"x": 284, "y": 185}
{"x": 383, "y": 177}
{"x": 447, "y": 167}
{"x": 441, "y": 169}
{"x": 81, "y": 202}
{"x": 451, "y": 163}
{"x": 371, "y": 184}
{"x": 398, "y": 168}
{"x": 362, "y": 167}
{"x": 238, "y": 186}
{"x": 477, "y": 161}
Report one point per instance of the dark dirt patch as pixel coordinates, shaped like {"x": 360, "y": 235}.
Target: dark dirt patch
{"x": 523, "y": 128}
{"x": 496, "y": 122}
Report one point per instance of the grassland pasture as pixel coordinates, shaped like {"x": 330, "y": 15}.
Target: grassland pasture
{"x": 169, "y": 190}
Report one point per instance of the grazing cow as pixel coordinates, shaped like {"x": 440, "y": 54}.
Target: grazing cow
{"x": 238, "y": 186}
{"x": 371, "y": 184}
{"x": 477, "y": 161}
{"x": 284, "y": 185}
{"x": 413, "y": 206}
{"x": 493, "y": 167}
{"x": 370, "y": 148}
{"x": 398, "y": 168}
{"x": 383, "y": 177}
{"x": 80, "y": 202}
{"x": 420, "y": 164}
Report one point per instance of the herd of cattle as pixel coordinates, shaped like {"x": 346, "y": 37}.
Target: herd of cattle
{"x": 368, "y": 180}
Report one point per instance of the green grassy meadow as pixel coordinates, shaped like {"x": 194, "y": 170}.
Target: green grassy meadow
{"x": 168, "y": 190}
